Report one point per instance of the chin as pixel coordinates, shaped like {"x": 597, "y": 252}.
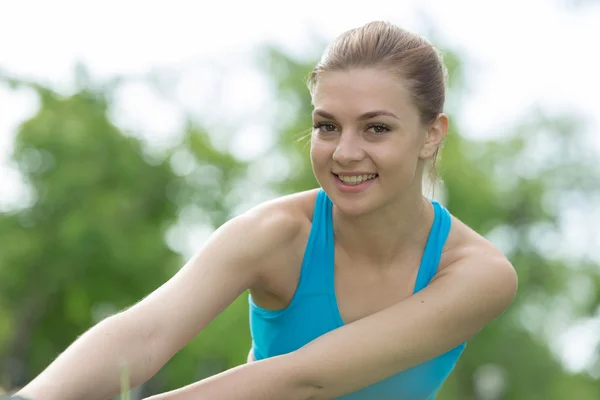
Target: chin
{"x": 354, "y": 205}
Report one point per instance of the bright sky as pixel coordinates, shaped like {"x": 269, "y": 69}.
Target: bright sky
{"x": 519, "y": 53}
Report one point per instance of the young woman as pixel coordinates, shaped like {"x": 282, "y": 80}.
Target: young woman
{"x": 360, "y": 289}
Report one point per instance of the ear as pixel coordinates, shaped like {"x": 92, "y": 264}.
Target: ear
{"x": 435, "y": 135}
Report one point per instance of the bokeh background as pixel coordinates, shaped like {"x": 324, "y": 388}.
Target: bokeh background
{"x": 129, "y": 130}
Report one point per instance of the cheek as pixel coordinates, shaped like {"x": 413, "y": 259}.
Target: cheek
{"x": 395, "y": 158}
{"x": 320, "y": 152}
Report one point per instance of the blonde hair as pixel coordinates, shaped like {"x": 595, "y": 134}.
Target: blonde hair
{"x": 383, "y": 45}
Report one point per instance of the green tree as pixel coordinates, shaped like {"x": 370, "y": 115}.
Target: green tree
{"x": 92, "y": 241}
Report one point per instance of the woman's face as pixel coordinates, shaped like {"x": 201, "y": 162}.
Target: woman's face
{"x": 368, "y": 144}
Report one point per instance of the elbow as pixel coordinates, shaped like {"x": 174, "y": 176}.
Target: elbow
{"x": 306, "y": 391}
{"x": 316, "y": 393}
{"x": 311, "y": 391}
{"x": 304, "y": 385}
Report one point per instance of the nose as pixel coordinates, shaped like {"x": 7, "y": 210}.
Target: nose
{"x": 348, "y": 149}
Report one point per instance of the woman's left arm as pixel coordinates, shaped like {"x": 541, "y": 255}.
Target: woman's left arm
{"x": 460, "y": 301}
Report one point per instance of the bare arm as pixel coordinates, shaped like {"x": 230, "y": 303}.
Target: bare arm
{"x": 454, "y": 307}
{"x": 144, "y": 337}
{"x": 91, "y": 366}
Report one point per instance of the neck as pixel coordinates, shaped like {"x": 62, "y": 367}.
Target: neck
{"x": 384, "y": 234}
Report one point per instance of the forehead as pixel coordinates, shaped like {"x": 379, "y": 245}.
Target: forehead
{"x": 362, "y": 90}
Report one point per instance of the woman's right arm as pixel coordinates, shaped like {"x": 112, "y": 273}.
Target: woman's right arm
{"x": 144, "y": 337}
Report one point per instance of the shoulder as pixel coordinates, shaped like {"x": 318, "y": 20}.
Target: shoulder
{"x": 282, "y": 218}
{"x": 278, "y": 231}
{"x": 273, "y": 227}
{"x": 464, "y": 243}
{"x": 474, "y": 260}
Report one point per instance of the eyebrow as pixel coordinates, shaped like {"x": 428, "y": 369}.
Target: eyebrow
{"x": 367, "y": 115}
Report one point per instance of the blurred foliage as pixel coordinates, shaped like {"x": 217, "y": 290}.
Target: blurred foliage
{"x": 96, "y": 222}
{"x": 294, "y": 108}
{"x": 92, "y": 239}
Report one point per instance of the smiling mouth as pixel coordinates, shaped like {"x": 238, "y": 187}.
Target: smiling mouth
{"x": 355, "y": 179}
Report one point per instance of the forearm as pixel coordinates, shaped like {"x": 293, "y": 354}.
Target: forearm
{"x": 274, "y": 378}
{"x": 91, "y": 367}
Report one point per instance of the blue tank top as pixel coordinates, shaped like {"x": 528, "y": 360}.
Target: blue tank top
{"x": 313, "y": 310}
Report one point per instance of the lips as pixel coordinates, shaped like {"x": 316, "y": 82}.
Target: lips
{"x": 355, "y": 182}
{"x": 355, "y": 179}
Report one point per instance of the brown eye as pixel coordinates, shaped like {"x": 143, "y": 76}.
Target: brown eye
{"x": 378, "y": 129}
{"x": 324, "y": 127}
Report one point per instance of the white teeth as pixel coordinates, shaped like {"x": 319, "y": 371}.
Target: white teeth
{"x": 356, "y": 179}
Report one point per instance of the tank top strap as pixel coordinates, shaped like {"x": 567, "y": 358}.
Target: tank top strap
{"x": 317, "y": 265}
{"x": 435, "y": 244}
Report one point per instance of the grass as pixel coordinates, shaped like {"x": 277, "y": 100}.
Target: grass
{"x": 125, "y": 384}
